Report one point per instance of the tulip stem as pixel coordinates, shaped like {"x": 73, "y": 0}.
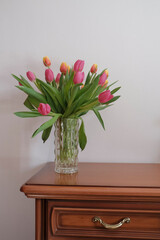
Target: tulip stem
{"x": 66, "y": 133}
{"x": 93, "y": 77}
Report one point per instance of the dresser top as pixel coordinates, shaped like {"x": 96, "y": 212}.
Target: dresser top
{"x": 138, "y": 175}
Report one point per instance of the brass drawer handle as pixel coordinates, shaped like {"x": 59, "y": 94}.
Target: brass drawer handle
{"x": 111, "y": 226}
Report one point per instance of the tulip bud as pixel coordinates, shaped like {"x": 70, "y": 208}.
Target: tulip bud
{"x": 49, "y": 75}
{"x": 78, "y": 77}
{"x": 105, "y": 84}
{"x": 78, "y": 66}
{"x": 58, "y": 78}
{"x": 105, "y": 96}
{"x": 46, "y": 61}
{"x": 64, "y": 68}
{"x": 68, "y": 68}
{"x": 31, "y": 76}
{"x": 107, "y": 73}
{"x": 93, "y": 68}
{"x": 102, "y": 79}
{"x": 44, "y": 109}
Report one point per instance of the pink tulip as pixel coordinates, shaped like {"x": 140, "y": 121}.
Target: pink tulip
{"x": 31, "y": 76}
{"x": 44, "y": 109}
{"x": 78, "y": 77}
{"x": 78, "y": 66}
{"x": 105, "y": 96}
{"x": 102, "y": 79}
{"x": 49, "y": 75}
{"x": 58, "y": 78}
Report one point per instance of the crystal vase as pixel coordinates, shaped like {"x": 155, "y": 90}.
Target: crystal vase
{"x": 66, "y": 145}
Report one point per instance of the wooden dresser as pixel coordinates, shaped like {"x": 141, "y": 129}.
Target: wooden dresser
{"x": 101, "y": 201}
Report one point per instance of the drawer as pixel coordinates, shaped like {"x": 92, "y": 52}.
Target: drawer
{"x": 78, "y": 222}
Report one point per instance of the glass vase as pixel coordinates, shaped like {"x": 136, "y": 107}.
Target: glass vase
{"x": 66, "y": 145}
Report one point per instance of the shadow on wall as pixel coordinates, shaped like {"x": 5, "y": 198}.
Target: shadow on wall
{"x": 16, "y": 141}
{"x": 19, "y": 160}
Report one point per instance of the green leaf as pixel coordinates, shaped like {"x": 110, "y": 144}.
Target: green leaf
{"x": 93, "y": 77}
{"x": 82, "y": 113}
{"x": 113, "y": 99}
{"x": 47, "y": 124}
{"x": 46, "y": 134}
{"x": 68, "y": 86}
{"x": 60, "y": 82}
{"x": 53, "y": 92}
{"x": 73, "y": 95}
{"x": 86, "y": 107}
{"x": 88, "y": 78}
{"x": 27, "y": 114}
{"x": 53, "y": 104}
{"x": 102, "y": 107}
{"x": 90, "y": 104}
{"x": 99, "y": 90}
{"x": 82, "y": 136}
{"x": 66, "y": 77}
{"x": 28, "y": 104}
{"x": 33, "y": 93}
{"x": 82, "y": 91}
{"x": 99, "y": 118}
{"x": 115, "y": 90}
{"x": 54, "y": 84}
{"x": 23, "y": 81}
{"x": 26, "y": 82}
{"x": 111, "y": 84}
{"x": 34, "y": 101}
{"x": 86, "y": 95}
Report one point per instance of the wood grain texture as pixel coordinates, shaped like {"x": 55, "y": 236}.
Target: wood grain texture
{"x": 97, "y": 181}
{"x": 40, "y": 219}
{"x": 66, "y": 204}
{"x": 101, "y": 175}
{"x": 79, "y": 220}
{"x": 68, "y": 219}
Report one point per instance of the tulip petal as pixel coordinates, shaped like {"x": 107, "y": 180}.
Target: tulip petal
{"x": 78, "y": 66}
{"x": 105, "y": 96}
{"x": 49, "y": 75}
{"x": 31, "y": 76}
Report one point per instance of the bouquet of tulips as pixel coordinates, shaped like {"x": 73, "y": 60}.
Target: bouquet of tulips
{"x": 66, "y": 96}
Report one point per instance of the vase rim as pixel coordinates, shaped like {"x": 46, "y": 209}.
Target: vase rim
{"x": 75, "y": 118}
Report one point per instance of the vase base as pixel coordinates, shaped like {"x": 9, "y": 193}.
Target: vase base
{"x": 66, "y": 170}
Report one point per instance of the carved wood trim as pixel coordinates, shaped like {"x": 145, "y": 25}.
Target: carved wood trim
{"x": 81, "y": 193}
{"x": 72, "y": 222}
{"x": 40, "y": 220}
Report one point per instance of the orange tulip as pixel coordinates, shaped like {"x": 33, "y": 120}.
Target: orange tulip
{"x": 93, "y": 68}
{"x": 106, "y": 72}
{"x": 105, "y": 84}
{"x": 68, "y": 68}
{"x": 64, "y": 68}
{"x": 46, "y": 61}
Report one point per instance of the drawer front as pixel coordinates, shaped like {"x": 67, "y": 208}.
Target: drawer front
{"x": 67, "y": 221}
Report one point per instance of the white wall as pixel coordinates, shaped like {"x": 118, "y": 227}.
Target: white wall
{"x": 122, "y": 35}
